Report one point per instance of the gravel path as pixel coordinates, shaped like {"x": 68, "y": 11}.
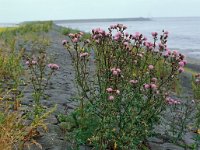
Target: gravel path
{"x": 60, "y": 91}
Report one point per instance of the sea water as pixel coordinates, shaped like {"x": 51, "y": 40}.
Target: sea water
{"x": 184, "y": 33}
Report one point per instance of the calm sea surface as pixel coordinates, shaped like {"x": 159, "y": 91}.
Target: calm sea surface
{"x": 184, "y": 33}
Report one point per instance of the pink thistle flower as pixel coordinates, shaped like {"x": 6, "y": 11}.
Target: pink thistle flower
{"x": 177, "y": 102}
{"x": 185, "y": 62}
{"x": 113, "y": 69}
{"x": 102, "y": 32}
{"x": 145, "y": 39}
{"x": 181, "y": 64}
{"x": 126, "y": 43}
{"x": 180, "y": 69}
{"x": 166, "y": 32}
{"x": 111, "y": 97}
{"x": 151, "y": 67}
{"x": 84, "y": 54}
{"x": 119, "y": 34}
{"x": 118, "y": 70}
{"x": 75, "y": 40}
{"x": 169, "y": 52}
{"x": 64, "y": 42}
{"x": 161, "y": 46}
{"x": 137, "y": 35}
{"x": 146, "y": 44}
{"x": 71, "y": 34}
{"x": 107, "y": 34}
{"x": 124, "y": 27}
{"x": 116, "y": 38}
{"x": 81, "y": 33}
{"x": 111, "y": 26}
{"x": 133, "y": 37}
{"x": 53, "y": 66}
{"x": 109, "y": 90}
{"x": 175, "y": 52}
{"x": 146, "y": 86}
{"x": 149, "y": 45}
{"x": 34, "y": 62}
{"x": 27, "y": 63}
{"x": 133, "y": 81}
{"x": 153, "y": 86}
{"x": 120, "y": 26}
{"x": 154, "y": 34}
{"x": 115, "y": 73}
{"x": 166, "y": 55}
{"x": 172, "y": 101}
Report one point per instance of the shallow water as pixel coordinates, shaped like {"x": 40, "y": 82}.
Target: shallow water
{"x": 184, "y": 32}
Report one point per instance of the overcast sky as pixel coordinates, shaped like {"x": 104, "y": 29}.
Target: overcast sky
{"x": 27, "y": 10}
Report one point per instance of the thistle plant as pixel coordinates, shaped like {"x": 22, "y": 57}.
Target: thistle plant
{"x": 196, "y": 93}
{"x": 178, "y": 119}
{"x": 124, "y": 94}
{"x": 196, "y": 86}
{"x": 40, "y": 77}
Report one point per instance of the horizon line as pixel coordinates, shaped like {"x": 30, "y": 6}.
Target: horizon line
{"x": 100, "y": 19}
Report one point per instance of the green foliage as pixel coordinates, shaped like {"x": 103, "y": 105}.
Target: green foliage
{"x": 10, "y": 66}
{"x": 32, "y": 27}
{"x": 40, "y": 76}
{"x": 67, "y": 31}
{"x": 125, "y": 94}
{"x": 17, "y": 129}
{"x": 196, "y": 86}
{"x": 177, "y": 118}
{"x": 40, "y": 26}
{"x": 21, "y": 31}
{"x": 2, "y": 117}
{"x": 6, "y": 29}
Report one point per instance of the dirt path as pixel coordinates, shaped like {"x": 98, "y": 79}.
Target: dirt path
{"x": 60, "y": 91}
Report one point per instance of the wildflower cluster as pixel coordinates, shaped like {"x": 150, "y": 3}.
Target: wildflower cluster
{"x": 53, "y": 66}
{"x": 172, "y": 101}
{"x": 125, "y": 92}
{"x": 38, "y": 73}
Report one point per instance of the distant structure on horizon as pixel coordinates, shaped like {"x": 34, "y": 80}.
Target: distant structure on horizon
{"x": 102, "y": 20}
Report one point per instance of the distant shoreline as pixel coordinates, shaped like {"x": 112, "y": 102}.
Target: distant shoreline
{"x": 101, "y": 20}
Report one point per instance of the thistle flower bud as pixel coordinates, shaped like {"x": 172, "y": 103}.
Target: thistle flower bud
{"x": 111, "y": 97}
{"x": 53, "y": 66}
